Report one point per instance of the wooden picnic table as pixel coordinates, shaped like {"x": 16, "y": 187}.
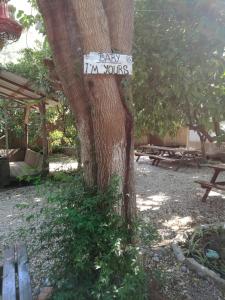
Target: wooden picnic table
{"x": 213, "y": 184}
{"x": 170, "y": 150}
{"x": 162, "y": 153}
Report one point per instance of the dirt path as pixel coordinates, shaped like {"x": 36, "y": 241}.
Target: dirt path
{"x": 14, "y": 204}
{"x": 169, "y": 200}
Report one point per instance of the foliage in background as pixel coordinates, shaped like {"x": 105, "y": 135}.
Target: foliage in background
{"x": 31, "y": 66}
{"x": 10, "y": 121}
{"x": 59, "y": 118}
{"x": 179, "y": 64}
{"x": 62, "y": 131}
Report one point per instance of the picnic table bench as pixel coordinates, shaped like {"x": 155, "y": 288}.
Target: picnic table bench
{"x": 16, "y": 274}
{"x": 178, "y": 155}
{"x": 156, "y": 158}
{"x": 212, "y": 184}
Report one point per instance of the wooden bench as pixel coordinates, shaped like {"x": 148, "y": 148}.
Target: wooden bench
{"x": 31, "y": 166}
{"x": 16, "y": 282}
{"x": 156, "y": 158}
{"x": 206, "y": 185}
{"x": 13, "y": 154}
{"x": 140, "y": 154}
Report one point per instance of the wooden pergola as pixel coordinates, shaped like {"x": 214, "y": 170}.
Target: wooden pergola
{"x": 23, "y": 91}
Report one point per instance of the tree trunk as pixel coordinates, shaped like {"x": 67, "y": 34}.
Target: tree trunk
{"x": 202, "y": 140}
{"x": 216, "y": 127}
{"x": 104, "y": 122}
{"x": 78, "y": 153}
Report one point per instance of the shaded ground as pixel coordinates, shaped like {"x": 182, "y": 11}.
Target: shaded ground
{"x": 168, "y": 199}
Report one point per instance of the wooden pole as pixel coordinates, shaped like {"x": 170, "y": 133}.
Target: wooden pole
{"x": 6, "y": 130}
{"x": 42, "y": 109}
{"x": 26, "y": 127}
{"x": 188, "y": 138}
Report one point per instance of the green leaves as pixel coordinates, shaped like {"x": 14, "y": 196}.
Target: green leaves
{"x": 89, "y": 243}
{"x": 179, "y": 62}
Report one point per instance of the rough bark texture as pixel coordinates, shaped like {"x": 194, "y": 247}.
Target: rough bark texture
{"x": 67, "y": 57}
{"x": 123, "y": 12}
{"x": 104, "y": 122}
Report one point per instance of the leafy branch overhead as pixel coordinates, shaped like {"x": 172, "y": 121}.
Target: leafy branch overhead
{"x": 179, "y": 64}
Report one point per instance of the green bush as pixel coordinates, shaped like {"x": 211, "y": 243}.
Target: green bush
{"x": 56, "y": 138}
{"x": 89, "y": 245}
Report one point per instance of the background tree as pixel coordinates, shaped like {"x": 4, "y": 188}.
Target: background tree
{"x": 179, "y": 65}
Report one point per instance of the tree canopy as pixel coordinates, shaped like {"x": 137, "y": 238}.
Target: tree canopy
{"x": 179, "y": 64}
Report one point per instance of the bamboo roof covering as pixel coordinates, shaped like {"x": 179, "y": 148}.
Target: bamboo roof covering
{"x": 17, "y": 88}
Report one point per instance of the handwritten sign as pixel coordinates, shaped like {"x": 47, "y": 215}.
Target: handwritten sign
{"x": 108, "y": 64}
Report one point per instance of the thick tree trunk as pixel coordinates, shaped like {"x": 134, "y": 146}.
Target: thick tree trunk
{"x": 104, "y": 122}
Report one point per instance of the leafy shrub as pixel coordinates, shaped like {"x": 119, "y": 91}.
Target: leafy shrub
{"x": 59, "y": 139}
{"x": 201, "y": 241}
{"x": 89, "y": 245}
{"x": 56, "y": 138}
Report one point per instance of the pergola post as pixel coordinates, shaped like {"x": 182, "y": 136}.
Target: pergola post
{"x": 6, "y": 129}
{"x": 26, "y": 128}
{"x": 42, "y": 109}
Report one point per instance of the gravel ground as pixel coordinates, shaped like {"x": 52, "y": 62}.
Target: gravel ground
{"x": 172, "y": 202}
{"x": 166, "y": 198}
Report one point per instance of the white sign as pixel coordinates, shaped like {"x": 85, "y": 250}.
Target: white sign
{"x": 108, "y": 63}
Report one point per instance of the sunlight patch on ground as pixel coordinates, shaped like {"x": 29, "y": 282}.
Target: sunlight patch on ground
{"x": 177, "y": 223}
{"x": 62, "y": 166}
{"x": 196, "y": 177}
{"x": 213, "y": 194}
{"x": 151, "y": 202}
{"x": 38, "y": 200}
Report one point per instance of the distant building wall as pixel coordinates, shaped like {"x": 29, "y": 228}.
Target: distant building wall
{"x": 180, "y": 139}
{"x": 141, "y": 140}
{"x": 194, "y": 142}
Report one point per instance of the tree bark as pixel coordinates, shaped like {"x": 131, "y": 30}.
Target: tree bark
{"x": 216, "y": 127}
{"x": 202, "y": 131}
{"x": 104, "y": 122}
{"x": 202, "y": 140}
